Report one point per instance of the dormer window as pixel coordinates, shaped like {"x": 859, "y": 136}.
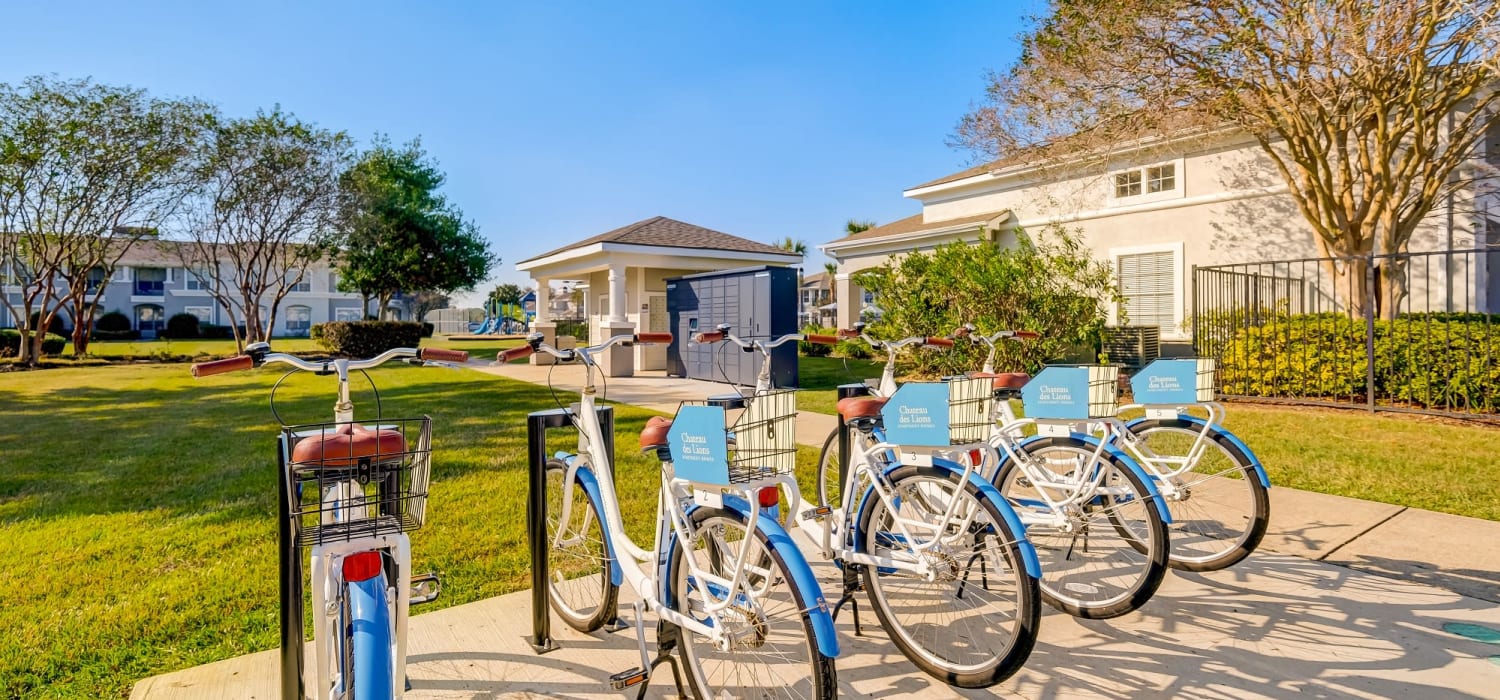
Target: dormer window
{"x": 1148, "y": 183}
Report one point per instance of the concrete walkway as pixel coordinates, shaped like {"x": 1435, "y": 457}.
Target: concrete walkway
{"x": 1345, "y": 599}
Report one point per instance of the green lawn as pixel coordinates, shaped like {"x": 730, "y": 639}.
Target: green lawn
{"x": 820, "y": 377}
{"x": 205, "y": 349}
{"x": 139, "y": 510}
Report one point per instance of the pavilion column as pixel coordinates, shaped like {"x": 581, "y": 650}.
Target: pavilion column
{"x": 618, "y": 361}
{"x": 542, "y": 323}
{"x": 850, "y": 299}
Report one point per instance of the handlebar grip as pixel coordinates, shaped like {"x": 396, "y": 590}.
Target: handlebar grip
{"x": 819, "y": 339}
{"x": 441, "y": 355}
{"x": 938, "y": 342}
{"x": 233, "y": 364}
{"x": 1028, "y": 335}
{"x": 649, "y": 338}
{"x": 709, "y": 337}
{"x": 848, "y": 333}
{"x": 516, "y": 353}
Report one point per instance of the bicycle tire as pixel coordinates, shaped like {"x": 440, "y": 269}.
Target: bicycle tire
{"x": 1071, "y": 572}
{"x": 370, "y": 637}
{"x": 705, "y": 666}
{"x": 985, "y": 662}
{"x": 829, "y": 486}
{"x": 1194, "y": 527}
{"x": 579, "y": 586}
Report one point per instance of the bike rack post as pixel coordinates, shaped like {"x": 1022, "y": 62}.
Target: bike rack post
{"x": 845, "y": 391}
{"x": 290, "y": 566}
{"x": 536, "y": 509}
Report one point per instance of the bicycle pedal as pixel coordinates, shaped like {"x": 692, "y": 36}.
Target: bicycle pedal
{"x": 425, "y": 588}
{"x": 628, "y": 679}
{"x": 817, "y": 513}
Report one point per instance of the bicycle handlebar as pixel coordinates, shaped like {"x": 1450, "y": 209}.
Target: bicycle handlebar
{"x": 534, "y": 344}
{"x": 723, "y": 334}
{"x": 233, "y": 364}
{"x": 441, "y": 355}
{"x": 516, "y": 353}
{"x": 818, "y": 339}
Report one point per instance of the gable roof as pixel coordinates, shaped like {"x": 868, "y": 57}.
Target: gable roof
{"x": 915, "y": 225}
{"x": 669, "y": 233}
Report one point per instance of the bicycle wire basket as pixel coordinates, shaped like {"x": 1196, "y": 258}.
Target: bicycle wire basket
{"x": 347, "y": 481}
{"x": 971, "y": 405}
{"x": 1072, "y": 392}
{"x": 1175, "y": 380}
{"x": 762, "y": 440}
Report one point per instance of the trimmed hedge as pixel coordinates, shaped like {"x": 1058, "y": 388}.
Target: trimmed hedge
{"x": 812, "y": 349}
{"x": 1425, "y": 359}
{"x": 428, "y": 329}
{"x": 366, "y": 338}
{"x": 126, "y": 334}
{"x": 10, "y": 343}
{"x": 113, "y": 321}
{"x": 211, "y": 331}
{"x": 182, "y": 326}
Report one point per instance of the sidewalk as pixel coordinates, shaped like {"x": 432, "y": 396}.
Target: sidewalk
{"x": 1448, "y": 551}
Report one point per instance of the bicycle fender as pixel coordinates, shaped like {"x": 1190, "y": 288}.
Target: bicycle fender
{"x": 1260, "y": 471}
{"x": 370, "y": 620}
{"x": 809, "y": 593}
{"x": 1007, "y": 513}
{"x": 590, "y": 484}
{"x": 1154, "y": 495}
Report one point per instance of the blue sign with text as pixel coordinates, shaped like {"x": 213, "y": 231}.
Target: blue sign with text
{"x": 699, "y": 446}
{"x": 917, "y": 415}
{"x": 1057, "y": 392}
{"x": 1166, "y": 381}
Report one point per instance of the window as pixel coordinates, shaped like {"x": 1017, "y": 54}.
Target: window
{"x": 1161, "y": 178}
{"x": 347, "y": 314}
{"x": 196, "y": 279}
{"x": 150, "y": 281}
{"x": 122, "y": 274}
{"x": 205, "y": 314}
{"x": 298, "y": 320}
{"x": 96, "y": 280}
{"x": 149, "y": 320}
{"x": 303, "y": 285}
{"x": 1148, "y": 283}
{"x": 1128, "y": 184}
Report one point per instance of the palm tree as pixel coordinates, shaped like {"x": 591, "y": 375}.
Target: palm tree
{"x": 792, "y": 245}
{"x": 829, "y": 270}
{"x": 854, "y": 226}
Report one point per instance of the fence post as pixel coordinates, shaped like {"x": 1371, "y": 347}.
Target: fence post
{"x": 1371, "y": 294}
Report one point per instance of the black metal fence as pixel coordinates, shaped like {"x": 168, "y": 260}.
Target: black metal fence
{"x": 1399, "y": 332}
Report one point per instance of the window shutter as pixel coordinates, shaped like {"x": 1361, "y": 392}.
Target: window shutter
{"x": 1148, "y": 285}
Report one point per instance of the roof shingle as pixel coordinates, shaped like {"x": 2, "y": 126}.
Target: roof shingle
{"x": 670, "y": 233}
{"x": 915, "y": 224}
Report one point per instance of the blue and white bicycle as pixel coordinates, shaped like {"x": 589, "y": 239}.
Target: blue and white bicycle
{"x": 731, "y": 589}
{"x": 351, "y": 493}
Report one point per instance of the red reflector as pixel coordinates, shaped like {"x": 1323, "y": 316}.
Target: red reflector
{"x": 975, "y": 457}
{"x": 769, "y": 496}
{"x": 361, "y": 566}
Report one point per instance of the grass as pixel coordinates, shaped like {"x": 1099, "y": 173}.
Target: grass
{"x": 150, "y": 545}
{"x": 184, "y": 350}
{"x": 820, "y": 377}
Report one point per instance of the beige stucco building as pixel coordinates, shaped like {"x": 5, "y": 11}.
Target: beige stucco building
{"x": 1154, "y": 211}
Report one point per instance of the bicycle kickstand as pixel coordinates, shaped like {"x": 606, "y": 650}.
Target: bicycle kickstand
{"x": 851, "y": 587}
{"x": 640, "y": 676}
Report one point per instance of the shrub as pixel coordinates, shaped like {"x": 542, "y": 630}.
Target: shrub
{"x": 428, "y": 329}
{"x": 57, "y": 327}
{"x": 182, "y": 326}
{"x": 368, "y": 338}
{"x": 10, "y": 343}
{"x": 814, "y": 349}
{"x": 113, "y": 321}
{"x": 209, "y": 330}
{"x": 1422, "y": 358}
{"x": 854, "y": 349}
{"x": 316, "y": 331}
{"x": 126, "y": 334}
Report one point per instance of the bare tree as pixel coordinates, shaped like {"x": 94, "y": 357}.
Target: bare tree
{"x": 262, "y": 214}
{"x": 1370, "y": 110}
{"x": 85, "y": 170}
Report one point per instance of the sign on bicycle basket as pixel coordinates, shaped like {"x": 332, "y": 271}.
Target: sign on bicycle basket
{"x": 917, "y": 415}
{"x": 699, "y": 445}
{"x": 1071, "y": 393}
{"x": 1174, "y": 381}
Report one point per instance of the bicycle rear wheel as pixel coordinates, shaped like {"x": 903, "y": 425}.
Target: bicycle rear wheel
{"x": 829, "y": 487}
{"x": 579, "y": 585}
{"x": 975, "y": 624}
{"x": 1222, "y": 513}
{"x": 772, "y": 651}
{"x": 1109, "y": 553}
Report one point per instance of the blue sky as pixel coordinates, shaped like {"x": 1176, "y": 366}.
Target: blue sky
{"x": 556, "y": 121}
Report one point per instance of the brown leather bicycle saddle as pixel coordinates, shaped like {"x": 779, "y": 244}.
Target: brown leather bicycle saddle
{"x": 655, "y": 433}
{"x": 861, "y": 406}
{"x": 349, "y": 445}
{"x": 1003, "y": 380}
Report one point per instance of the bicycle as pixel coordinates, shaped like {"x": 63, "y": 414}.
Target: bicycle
{"x": 1213, "y": 484}
{"x": 724, "y": 581}
{"x": 942, "y": 558}
{"x": 350, "y": 493}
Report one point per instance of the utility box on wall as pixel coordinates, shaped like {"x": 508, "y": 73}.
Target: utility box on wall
{"x": 757, "y": 302}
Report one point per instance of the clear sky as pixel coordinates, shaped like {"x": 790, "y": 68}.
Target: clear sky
{"x": 560, "y": 120}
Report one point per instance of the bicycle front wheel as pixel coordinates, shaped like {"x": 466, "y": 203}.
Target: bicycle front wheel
{"x": 1103, "y": 550}
{"x": 579, "y": 585}
{"x": 770, "y": 650}
{"x": 369, "y": 638}
{"x": 829, "y": 487}
{"x": 973, "y": 624}
{"x": 1221, "y": 510}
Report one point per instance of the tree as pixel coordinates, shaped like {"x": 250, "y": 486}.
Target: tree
{"x": 399, "y": 233}
{"x": 86, "y": 172}
{"x": 854, "y": 226}
{"x": 423, "y": 302}
{"x": 509, "y": 293}
{"x": 1049, "y": 284}
{"x": 262, "y": 213}
{"x": 1369, "y": 109}
{"x": 830, "y": 270}
{"x": 792, "y": 245}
